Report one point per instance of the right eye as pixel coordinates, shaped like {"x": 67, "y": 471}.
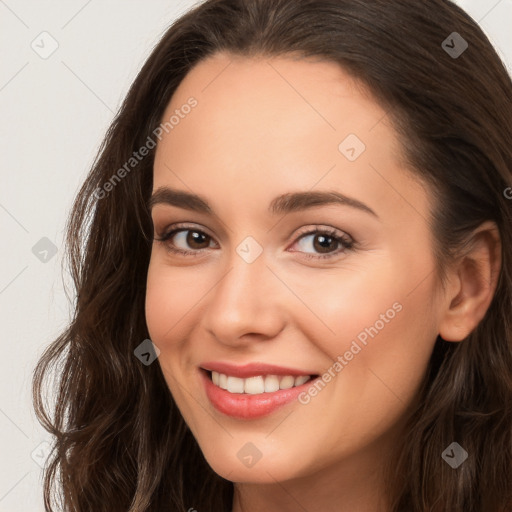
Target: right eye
{"x": 192, "y": 239}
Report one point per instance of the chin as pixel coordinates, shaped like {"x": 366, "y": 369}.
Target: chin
{"x": 264, "y": 471}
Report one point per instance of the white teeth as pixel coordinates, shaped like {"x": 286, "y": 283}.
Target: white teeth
{"x": 287, "y": 382}
{"x": 251, "y": 385}
{"x": 235, "y": 385}
{"x": 258, "y": 384}
{"x": 301, "y": 380}
{"x": 271, "y": 383}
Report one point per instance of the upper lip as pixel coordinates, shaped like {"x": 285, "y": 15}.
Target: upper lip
{"x": 252, "y": 369}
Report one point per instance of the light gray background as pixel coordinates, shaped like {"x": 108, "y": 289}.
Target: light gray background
{"x": 53, "y": 115}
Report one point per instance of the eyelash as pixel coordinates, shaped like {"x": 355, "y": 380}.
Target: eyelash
{"x": 345, "y": 241}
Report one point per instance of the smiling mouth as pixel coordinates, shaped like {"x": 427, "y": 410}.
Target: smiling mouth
{"x": 259, "y": 384}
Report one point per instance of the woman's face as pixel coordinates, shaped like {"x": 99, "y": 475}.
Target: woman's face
{"x": 354, "y": 303}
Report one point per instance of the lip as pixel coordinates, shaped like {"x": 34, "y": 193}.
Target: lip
{"x": 252, "y": 369}
{"x": 246, "y": 406}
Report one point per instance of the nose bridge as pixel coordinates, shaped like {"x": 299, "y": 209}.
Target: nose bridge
{"x": 244, "y": 299}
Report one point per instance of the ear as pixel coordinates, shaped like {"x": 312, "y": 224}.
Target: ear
{"x": 473, "y": 282}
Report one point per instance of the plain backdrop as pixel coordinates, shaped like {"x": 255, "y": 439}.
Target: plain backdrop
{"x": 54, "y": 111}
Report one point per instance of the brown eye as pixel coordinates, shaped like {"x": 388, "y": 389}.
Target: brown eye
{"x": 325, "y": 243}
{"x": 185, "y": 241}
{"x": 195, "y": 239}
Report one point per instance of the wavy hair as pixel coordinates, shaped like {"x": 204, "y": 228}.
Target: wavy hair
{"x": 121, "y": 443}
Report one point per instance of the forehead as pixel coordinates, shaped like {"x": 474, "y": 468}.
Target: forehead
{"x": 272, "y": 102}
{"x": 263, "y": 126}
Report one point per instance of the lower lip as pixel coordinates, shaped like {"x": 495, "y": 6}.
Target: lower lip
{"x": 246, "y": 406}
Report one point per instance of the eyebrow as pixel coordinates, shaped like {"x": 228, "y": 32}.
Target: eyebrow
{"x": 285, "y": 203}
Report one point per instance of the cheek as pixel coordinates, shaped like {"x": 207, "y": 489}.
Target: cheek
{"x": 388, "y": 343}
{"x": 168, "y": 300}
{"x": 380, "y": 327}
{"x": 159, "y": 304}
{"x": 171, "y": 294}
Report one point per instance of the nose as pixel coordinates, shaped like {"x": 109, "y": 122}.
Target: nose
{"x": 246, "y": 303}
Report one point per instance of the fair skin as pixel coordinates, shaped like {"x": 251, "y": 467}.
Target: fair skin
{"x": 265, "y": 127}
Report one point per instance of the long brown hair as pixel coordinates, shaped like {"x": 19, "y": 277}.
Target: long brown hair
{"x": 121, "y": 443}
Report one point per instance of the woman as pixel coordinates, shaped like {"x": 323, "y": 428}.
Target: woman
{"x": 222, "y": 356}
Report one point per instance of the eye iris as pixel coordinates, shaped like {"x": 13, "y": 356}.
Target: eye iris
{"x": 195, "y": 237}
{"x": 324, "y": 240}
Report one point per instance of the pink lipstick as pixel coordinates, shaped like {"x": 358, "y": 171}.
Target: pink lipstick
{"x": 251, "y": 406}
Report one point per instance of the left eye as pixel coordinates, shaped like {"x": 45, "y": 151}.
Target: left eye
{"x": 322, "y": 239}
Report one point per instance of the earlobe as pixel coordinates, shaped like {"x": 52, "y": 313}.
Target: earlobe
{"x": 472, "y": 284}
